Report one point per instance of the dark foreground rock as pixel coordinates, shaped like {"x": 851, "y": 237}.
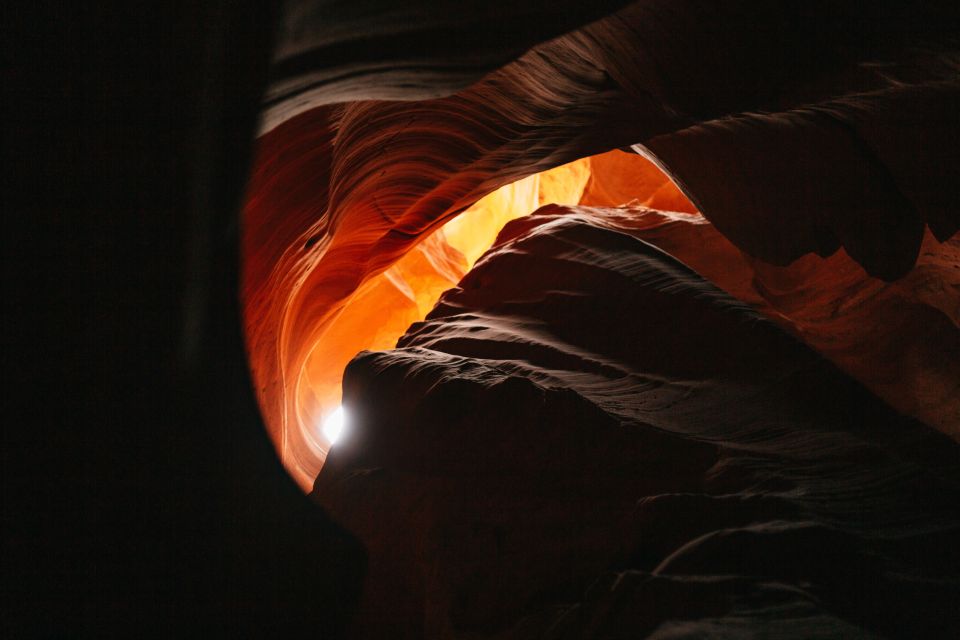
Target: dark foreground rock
{"x": 587, "y": 439}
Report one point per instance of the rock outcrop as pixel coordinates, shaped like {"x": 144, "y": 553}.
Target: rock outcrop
{"x": 796, "y": 129}
{"x": 141, "y": 490}
{"x": 587, "y": 439}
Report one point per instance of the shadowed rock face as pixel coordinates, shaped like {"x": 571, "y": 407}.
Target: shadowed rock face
{"x": 140, "y": 490}
{"x": 586, "y": 438}
{"x": 900, "y": 339}
{"x": 796, "y": 129}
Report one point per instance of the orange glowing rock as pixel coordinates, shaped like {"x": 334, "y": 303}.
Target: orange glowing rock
{"x": 322, "y": 284}
{"x": 361, "y": 304}
{"x": 619, "y": 178}
{"x": 586, "y": 437}
{"x": 386, "y": 304}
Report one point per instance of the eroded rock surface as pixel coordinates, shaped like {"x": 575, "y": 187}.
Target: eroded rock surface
{"x": 587, "y": 439}
{"x": 796, "y": 128}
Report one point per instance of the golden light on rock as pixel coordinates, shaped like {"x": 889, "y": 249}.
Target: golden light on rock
{"x": 384, "y": 303}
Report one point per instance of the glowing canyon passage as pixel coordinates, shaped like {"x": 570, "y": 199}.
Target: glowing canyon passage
{"x": 627, "y": 337}
{"x": 483, "y": 319}
{"x": 580, "y": 356}
{"x": 299, "y": 362}
{"x": 382, "y": 306}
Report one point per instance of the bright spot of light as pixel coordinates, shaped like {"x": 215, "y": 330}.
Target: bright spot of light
{"x": 334, "y": 424}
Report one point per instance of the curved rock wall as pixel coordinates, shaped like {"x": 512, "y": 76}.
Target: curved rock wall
{"x": 900, "y": 339}
{"x": 586, "y": 439}
{"x": 796, "y": 129}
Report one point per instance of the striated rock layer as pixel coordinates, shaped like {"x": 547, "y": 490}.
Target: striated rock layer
{"x": 587, "y": 439}
{"x": 795, "y": 128}
{"x": 900, "y": 339}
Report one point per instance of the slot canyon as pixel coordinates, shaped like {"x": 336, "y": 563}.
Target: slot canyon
{"x": 463, "y": 319}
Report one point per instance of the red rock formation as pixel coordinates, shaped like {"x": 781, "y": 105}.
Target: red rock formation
{"x": 139, "y": 488}
{"x": 585, "y": 438}
{"x": 377, "y": 307}
{"x": 901, "y": 339}
{"x": 341, "y": 192}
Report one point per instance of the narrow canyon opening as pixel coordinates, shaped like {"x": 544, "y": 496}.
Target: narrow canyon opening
{"x": 381, "y": 319}
{"x": 307, "y": 417}
{"x": 545, "y": 385}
